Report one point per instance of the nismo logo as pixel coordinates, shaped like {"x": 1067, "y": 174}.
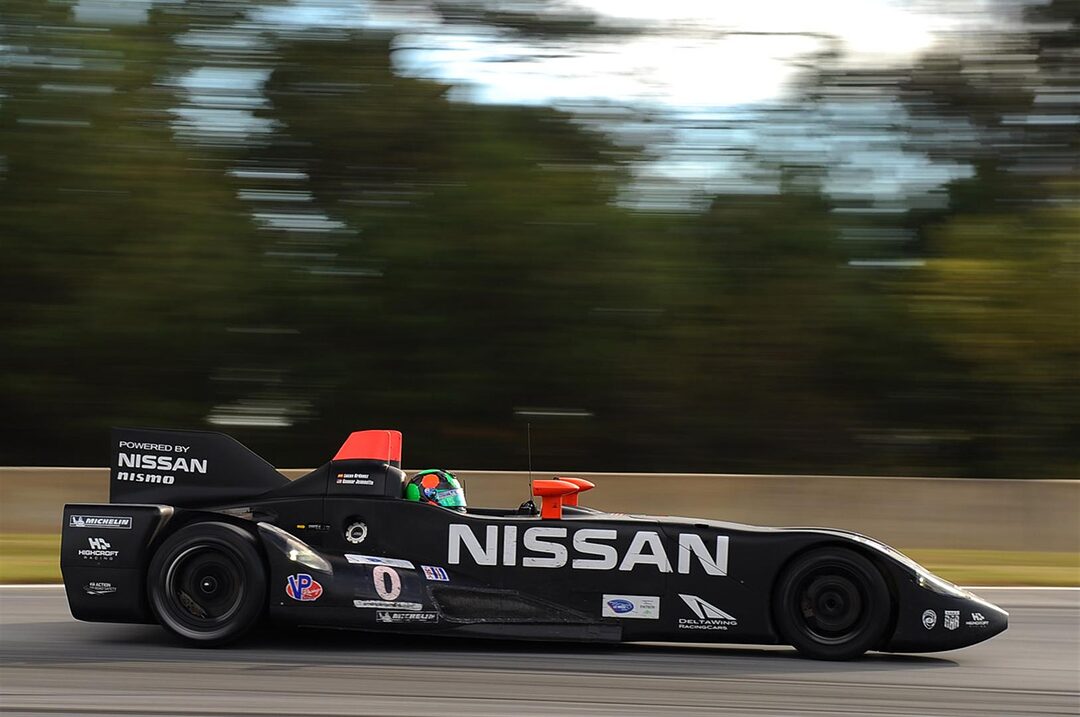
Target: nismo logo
{"x": 585, "y": 549}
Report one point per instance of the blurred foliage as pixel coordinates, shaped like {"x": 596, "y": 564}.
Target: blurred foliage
{"x": 343, "y": 247}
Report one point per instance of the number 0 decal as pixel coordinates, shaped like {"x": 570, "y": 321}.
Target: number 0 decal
{"x": 387, "y": 582}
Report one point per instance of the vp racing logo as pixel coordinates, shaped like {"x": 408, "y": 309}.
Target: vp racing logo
{"x": 303, "y": 587}
{"x": 707, "y": 616}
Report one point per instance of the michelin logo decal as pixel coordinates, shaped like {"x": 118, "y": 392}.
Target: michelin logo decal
{"x": 100, "y": 521}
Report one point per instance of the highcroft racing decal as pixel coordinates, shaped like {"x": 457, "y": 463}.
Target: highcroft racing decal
{"x": 98, "y": 549}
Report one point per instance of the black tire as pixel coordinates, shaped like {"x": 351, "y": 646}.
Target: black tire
{"x": 207, "y": 583}
{"x": 832, "y": 604}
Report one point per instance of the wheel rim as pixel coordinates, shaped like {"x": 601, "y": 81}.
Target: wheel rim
{"x": 204, "y": 586}
{"x": 832, "y": 604}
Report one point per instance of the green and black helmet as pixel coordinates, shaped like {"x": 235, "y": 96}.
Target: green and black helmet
{"x": 437, "y": 486}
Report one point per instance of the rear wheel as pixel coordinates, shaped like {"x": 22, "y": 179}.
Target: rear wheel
{"x": 832, "y": 604}
{"x": 207, "y": 583}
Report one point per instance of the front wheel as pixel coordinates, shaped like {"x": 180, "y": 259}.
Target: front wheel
{"x": 207, "y": 583}
{"x": 832, "y": 604}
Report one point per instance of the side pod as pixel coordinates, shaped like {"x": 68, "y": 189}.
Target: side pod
{"x": 104, "y": 551}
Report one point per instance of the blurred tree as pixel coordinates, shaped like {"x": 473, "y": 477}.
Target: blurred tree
{"x": 993, "y": 292}
{"x": 124, "y": 254}
{"x": 208, "y": 220}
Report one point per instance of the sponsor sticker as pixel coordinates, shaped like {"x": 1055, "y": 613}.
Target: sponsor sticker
{"x": 438, "y": 574}
{"x": 386, "y": 605}
{"x": 99, "y": 588}
{"x": 169, "y": 465}
{"x": 406, "y": 617}
{"x": 98, "y": 549}
{"x": 111, "y": 522}
{"x": 952, "y": 619}
{"x": 706, "y": 615}
{"x": 354, "y": 479}
{"x": 159, "y": 447}
{"x": 977, "y": 620}
{"x": 140, "y": 477}
{"x": 374, "y": 560}
{"x": 643, "y": 607}
{"x": 929, "y": 619}
{"x": 303, "y": 587}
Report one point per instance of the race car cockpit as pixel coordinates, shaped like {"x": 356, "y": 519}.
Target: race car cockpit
{"x": 369, "y": 464}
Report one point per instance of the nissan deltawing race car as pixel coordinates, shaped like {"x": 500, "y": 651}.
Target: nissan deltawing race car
{"x": 207, "y": 539}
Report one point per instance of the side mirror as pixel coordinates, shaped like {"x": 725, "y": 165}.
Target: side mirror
{"x": 551, "y": 494}
{"x": 582, "y": 486}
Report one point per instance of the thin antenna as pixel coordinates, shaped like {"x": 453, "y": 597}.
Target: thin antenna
{"x": 528, "y": 441}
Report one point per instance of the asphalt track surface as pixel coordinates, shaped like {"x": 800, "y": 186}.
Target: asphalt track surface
{"x": 52, "y": 665}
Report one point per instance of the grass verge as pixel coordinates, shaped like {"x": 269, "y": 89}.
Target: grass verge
{"x": 1001, "y": 567}
{"x": 29, "y": 558}
{"x": 35, "y": 558}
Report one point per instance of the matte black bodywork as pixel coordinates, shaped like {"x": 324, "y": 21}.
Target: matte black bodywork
{"x": 497, "y": 573}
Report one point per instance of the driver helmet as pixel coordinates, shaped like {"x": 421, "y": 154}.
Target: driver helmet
{"x": 437, "y": 486}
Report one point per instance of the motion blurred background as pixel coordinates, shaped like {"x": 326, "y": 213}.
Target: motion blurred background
{"x": 829, "y": 237}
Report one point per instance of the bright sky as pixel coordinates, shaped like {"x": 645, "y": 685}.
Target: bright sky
{"x": 698, "y": 62}
{"x": 690, "y": 61}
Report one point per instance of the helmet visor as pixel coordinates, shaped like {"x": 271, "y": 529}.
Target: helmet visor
{"x": 449, "y": 497}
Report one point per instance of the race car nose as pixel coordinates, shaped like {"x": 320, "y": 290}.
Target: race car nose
{"x": 983, "y": 619}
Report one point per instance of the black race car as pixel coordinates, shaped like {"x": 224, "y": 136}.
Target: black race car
{"x": 207, "y": 539}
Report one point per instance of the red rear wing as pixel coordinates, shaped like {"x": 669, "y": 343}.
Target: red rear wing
{"x": 372, "y": 445}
